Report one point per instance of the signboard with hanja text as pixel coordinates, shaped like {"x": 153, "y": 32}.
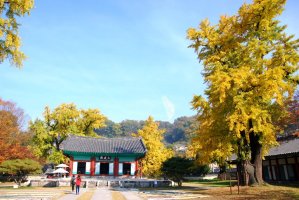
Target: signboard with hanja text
{"x": 105, "y": 157}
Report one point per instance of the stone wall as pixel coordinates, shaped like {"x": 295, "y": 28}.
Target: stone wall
{"x": 104, "y": 183}
{"x": 44, "y": 183}
{"x": 141, "y": 183}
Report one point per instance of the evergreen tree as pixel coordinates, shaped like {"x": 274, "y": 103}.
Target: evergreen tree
{"x": 19, "y": 169}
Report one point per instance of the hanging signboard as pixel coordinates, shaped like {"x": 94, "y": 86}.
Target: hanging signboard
{"x": 105, "y": 158}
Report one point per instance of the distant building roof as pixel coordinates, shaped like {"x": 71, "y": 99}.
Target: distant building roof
{"x": 285, "y": 147}
{"x": 82, "y": 144}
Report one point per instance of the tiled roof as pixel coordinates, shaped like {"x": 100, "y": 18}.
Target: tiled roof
{"x": 286, "y": 147}
{"x": 103, "y": 145}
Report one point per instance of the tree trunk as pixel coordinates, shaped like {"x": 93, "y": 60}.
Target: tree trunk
{"x": 250, "y": 171}
{"x": 180, "y": 183}
{"x": 243, "y": 176}
{"x": 242, "y": 154}
{"x": 57, "y": 144}
{"x": 256, "y": 157}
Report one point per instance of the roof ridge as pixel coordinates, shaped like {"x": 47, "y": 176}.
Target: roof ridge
{"x": 73, "y": 135}
{"x": 287, "y": 141}
{"x": 104, "y": 138}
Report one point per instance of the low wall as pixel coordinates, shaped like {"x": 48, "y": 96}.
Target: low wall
{"x": 206, "y": 177}
{"x": 104, "y": 183}
{"x": 140, "y": 184}
{"x": 44, "y": 183}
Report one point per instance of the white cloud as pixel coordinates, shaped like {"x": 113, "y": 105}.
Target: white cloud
{"x": 169, "y": 107}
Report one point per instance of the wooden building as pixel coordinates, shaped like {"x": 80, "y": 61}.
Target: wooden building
{"x": 102, "y": 156}
{"x": 282, "y": 162}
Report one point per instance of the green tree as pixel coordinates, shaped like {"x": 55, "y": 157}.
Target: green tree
{"x": 10, "y": 42}
{"x": 176, "y": 168}
{"x": 110, "y": 130}
{"x": 130, "y": 126}
{"x": 180, "y": 130}
{"x": 66, "y": 119}
{"x": 250, "y": 67}
{"x": 157, "y": 153}
{"x": 19, "y": 169}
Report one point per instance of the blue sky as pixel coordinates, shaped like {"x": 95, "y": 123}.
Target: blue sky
{"x": 129, "y": 58}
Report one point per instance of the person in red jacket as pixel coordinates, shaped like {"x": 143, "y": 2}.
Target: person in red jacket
{"x": 78, "y": 183}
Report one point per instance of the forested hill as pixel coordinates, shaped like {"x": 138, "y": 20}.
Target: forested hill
{"x": 178, "y": 131}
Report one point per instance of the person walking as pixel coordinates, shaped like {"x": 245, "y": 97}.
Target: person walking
{"x": 73, "y": 182}
{"x": 78, "y": 183}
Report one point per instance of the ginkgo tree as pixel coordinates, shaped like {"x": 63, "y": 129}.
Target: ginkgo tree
{"x": 49, "y": 133}
{"x": 156, "y": 153}
{"x": 250, "y": 66}
{"x": 10, "y": 41}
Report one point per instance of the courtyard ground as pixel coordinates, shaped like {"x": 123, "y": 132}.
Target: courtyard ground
{"x": 220, "y": 190}
{"x": 201, "y": 190}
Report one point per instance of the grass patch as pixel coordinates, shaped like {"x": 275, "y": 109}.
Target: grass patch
{"x": 214, "y": 182}
{"x": 266, "y": 192}
{"x": 262, "y": 192}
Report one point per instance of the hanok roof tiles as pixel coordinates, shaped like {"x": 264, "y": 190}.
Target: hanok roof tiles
{"x": 286, "y": 147}
{"x": 103, "y": 145}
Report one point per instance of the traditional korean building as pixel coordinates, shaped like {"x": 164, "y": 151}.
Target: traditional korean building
{"x": 103, "y": 157}
{"x": 282, "y": 162}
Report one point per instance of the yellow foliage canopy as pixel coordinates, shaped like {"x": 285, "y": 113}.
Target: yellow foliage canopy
{"x": 156, "y": 153}
{"x": 250, "y": 67}
{"x": 58, "y": 124}
{"x": 10, "y": 42}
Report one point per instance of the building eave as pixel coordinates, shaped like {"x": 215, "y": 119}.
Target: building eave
{"x": 71, "y": 153}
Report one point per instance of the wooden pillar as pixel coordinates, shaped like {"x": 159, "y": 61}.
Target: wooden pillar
{"x": 92, "y": 166}
{"x": 71, "y": 165}
{"x": 278, "y": 176}
{"x": 136, "y": 167}
{"x": 140, "y": 169}
{"x": 297, "y": 167}
{"x": 116, "y": 165}
{"x": 286, "y": 168}
{"x": 271, "y": 172}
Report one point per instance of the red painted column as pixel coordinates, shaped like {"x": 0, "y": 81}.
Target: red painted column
{"x": 71, "y": 165}
{"x": 140, "y": 169}
{"x": 116, "y": 165}
{"x": 136, "y": 167}
{"x": 92, "y": 166}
